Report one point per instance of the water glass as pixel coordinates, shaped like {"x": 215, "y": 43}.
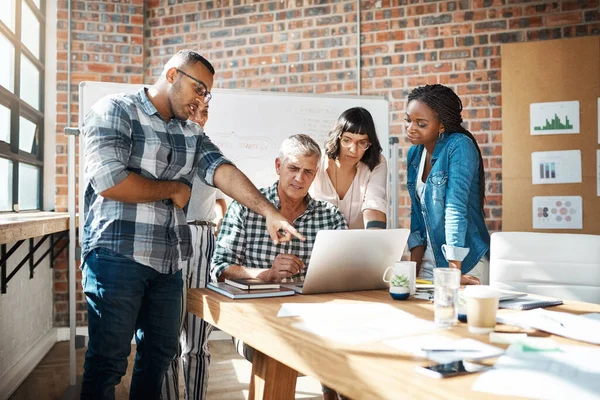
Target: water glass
{"x": 447, "y": 282}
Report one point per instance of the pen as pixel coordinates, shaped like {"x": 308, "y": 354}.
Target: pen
{"x": 441, "y": 350}
{"x": 549, "y": 318}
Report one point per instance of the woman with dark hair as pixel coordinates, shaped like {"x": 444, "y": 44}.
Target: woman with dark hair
{"x": 353, "y": 174}
{"x": 446, "y": 184}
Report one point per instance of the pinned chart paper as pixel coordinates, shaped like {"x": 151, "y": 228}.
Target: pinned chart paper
{"x": 557, "y": 212}
{"x": 561, "y": 117}
{"x": 556, "y": 167}
{"x": 598, "y": 172}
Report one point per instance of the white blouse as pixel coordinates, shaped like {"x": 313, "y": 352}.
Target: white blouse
{"x": 368, "y": 191}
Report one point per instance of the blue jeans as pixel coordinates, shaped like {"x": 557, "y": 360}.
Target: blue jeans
{"x": 125, "y": 297}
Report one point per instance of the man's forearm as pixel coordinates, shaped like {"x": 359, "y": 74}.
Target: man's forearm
{"x": 238, "y": 272}
{"x": 236, "y": 185}
{"x": 137, "y": 189}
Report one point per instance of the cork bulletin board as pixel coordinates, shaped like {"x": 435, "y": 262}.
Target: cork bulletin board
{"x": 539, "y": 72}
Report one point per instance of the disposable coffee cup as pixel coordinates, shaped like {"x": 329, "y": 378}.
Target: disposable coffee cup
{"x": 482, "y": 305}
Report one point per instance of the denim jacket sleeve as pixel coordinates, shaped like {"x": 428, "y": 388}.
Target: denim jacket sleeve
{"x": 417, "y": 224}
{"x": 463, "y": 165}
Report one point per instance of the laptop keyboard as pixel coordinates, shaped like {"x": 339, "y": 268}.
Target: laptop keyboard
{"x": 294, "y": 279}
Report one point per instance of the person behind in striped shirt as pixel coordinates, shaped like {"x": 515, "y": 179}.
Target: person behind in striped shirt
{"x": 204, "y": 215}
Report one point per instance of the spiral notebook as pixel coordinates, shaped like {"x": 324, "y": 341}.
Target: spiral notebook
{"x": 530, "y": 302}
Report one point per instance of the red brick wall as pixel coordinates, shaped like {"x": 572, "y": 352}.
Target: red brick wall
{"x": 106, "y": 45}
{"x": 310, "y": 46}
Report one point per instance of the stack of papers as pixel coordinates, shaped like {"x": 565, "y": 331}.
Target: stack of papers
{"x": 584, "y": 327}
{"x": 424, "y": 290}
{"x": 443, "y": 349}
{"x": 355, "y": 323}
{"x": 573, "y": 372}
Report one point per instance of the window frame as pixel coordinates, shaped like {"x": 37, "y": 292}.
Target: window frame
{"x": 19, "y": 108}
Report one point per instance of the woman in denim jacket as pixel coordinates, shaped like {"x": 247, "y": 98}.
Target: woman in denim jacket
{"x": 447, "y": 187}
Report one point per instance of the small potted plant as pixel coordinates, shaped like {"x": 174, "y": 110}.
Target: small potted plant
{"x": 400, "y": 287}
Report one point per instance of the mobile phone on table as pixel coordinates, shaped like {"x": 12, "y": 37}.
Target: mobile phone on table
{"x": 455, "y": 368}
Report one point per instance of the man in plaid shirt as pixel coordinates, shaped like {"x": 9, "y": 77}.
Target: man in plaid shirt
{"x": 141, "y": 155}
{"x": 243, "y": 246}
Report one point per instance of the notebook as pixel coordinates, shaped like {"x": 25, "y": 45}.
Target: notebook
{"x": 251, "y": 284}
{"x": 235, "y": 293}
{"x": 529, "y": 302}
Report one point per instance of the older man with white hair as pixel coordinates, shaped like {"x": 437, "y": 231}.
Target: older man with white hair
{"x": 243, "y": 246}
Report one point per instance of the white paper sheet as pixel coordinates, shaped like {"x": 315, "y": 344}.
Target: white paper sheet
{"x": 579, "y": 327}
{"x": 572, "y": 373}
{"x": 355, "y": 323}
{"x": 506, "y": 338}
{"x": 556, "y": 167}
{"x": 561, "y": 117}
{"x": 336, "y": 310}
{"x": 415, "y": 344}
{"x": 557, "y": 212}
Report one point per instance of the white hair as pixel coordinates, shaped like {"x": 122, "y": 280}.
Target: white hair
{"x": 299, "y": 145}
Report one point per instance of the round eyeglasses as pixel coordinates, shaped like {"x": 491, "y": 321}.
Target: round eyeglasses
{"x": 201, "y": 89}
{"x": 363, "y": 144}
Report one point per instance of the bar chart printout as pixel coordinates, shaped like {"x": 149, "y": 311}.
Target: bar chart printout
{"x": 562, "y": 166}
{"x": 554, "y": 118}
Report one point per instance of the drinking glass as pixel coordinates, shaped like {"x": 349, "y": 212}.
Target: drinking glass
{"x": 446, "y": 282}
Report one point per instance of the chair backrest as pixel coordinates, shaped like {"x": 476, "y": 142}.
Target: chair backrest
{"x": 560, "y": 265}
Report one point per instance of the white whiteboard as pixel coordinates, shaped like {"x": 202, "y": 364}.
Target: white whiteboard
{"x": 249, "y": 126}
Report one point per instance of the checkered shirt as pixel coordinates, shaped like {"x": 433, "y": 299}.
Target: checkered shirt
{"x": 244, "y": 239}
{"x": 122, "y": 134}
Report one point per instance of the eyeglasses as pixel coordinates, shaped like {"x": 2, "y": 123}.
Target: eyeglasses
{"x": 363, "y": 144}
{"x": 201, "y": 89}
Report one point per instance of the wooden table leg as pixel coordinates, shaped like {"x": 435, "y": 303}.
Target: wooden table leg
{"x": 271, "y": 379}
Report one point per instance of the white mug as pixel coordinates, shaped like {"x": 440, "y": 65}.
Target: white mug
{"x": 408, "y": 268}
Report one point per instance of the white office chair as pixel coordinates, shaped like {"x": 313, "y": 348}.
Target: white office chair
{"x": 560, "y": 265}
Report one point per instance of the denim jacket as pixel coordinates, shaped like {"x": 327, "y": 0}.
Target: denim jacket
{"x": 450, "y": 206}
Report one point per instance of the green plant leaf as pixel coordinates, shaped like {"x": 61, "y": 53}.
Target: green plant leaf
{"x": 400, "y": 281}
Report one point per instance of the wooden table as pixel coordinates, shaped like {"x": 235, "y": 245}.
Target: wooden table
{"x": 366, "y": 371}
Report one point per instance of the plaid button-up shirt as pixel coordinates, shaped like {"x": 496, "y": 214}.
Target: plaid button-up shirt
{"x": 124, "y": 134}
{"x": 244, "y": 239}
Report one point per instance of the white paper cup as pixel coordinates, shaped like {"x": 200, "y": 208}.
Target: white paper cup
{"x": 482, "y": 305}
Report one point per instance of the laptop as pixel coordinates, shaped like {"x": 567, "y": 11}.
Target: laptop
{"x": 351, "y": 260}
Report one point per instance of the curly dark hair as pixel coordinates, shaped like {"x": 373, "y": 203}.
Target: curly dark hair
{"x": 448, "y": 107}
{"x": 355, "y": 120}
